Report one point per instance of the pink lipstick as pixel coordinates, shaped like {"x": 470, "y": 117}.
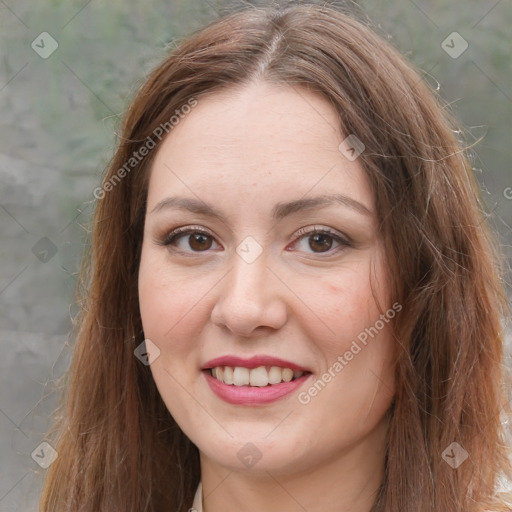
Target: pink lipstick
{"x": 259, "y": 379}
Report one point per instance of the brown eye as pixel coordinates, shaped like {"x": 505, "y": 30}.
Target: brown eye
{"x": 200, "y": 242}
{"x": 187, "y": 240}
{"x": 320, "y": 242}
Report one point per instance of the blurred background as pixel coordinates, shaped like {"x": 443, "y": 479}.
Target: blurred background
{"x": 67, "y": 71}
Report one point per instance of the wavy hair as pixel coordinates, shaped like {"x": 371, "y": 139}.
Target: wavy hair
{"x": 119, "y": 448}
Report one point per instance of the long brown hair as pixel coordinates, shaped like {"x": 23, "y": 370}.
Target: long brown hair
{"x": 119, "y": 448}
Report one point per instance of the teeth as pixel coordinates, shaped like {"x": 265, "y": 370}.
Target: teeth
{"x": 240, "y": 376}
{"x": 256, "y": 377}
{"x": 228, "y": 375}
{"x": 287, "y": 375}
{"x": 275, "y": 375}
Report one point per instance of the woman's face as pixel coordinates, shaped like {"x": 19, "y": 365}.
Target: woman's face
{"x": 248, "y": 292}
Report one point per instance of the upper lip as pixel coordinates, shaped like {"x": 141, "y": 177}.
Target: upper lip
{"x": 252, "y": 362}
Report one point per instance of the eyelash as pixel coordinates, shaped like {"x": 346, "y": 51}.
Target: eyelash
{"x": 178, "y": 233}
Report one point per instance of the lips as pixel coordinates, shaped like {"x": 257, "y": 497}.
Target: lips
{"x": 258, "y": 380}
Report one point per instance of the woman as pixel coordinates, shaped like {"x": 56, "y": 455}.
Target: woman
{"x": 292, "y": 300}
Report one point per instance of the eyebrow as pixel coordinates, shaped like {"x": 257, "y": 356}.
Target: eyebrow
{"x": 280, "y": 210}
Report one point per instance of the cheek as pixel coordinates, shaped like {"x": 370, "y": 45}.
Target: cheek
{"x": 345, "y": 304}
{"x": 352, "y": 329}
{"x": 169, "y": 305}
{"x": 349, "y": 296}
{"x": 362, "y": 339}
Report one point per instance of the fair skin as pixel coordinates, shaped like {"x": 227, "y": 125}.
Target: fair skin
{"x": 303, "y": 299}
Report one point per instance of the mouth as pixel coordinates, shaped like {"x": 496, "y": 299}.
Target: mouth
{"x": 259, "y": 377}
{"x": 254, "y": 381}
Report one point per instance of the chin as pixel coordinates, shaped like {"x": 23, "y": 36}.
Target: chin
{"x": 256, "y": 454}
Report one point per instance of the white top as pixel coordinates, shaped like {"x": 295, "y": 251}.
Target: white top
{"x": 197, "y": 506}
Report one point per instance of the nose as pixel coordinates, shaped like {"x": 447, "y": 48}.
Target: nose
{"x": 251, "y": 299}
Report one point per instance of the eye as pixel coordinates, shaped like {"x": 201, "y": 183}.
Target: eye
{"x": 195, "y": 240}
{"x": 320, "y": 240}
{"x": 188, "y": 239}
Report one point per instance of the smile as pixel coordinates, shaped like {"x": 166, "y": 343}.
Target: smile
{"x": 257, "y": 377}
{"x": 257, "y": 380}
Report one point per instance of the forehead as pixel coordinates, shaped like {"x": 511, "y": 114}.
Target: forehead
{"x": 259, "y": 139}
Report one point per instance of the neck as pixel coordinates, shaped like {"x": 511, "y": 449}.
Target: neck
{"x": 348, "y": 481}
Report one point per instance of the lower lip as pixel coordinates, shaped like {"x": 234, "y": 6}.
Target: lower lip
{"x": 247, "y": 395}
